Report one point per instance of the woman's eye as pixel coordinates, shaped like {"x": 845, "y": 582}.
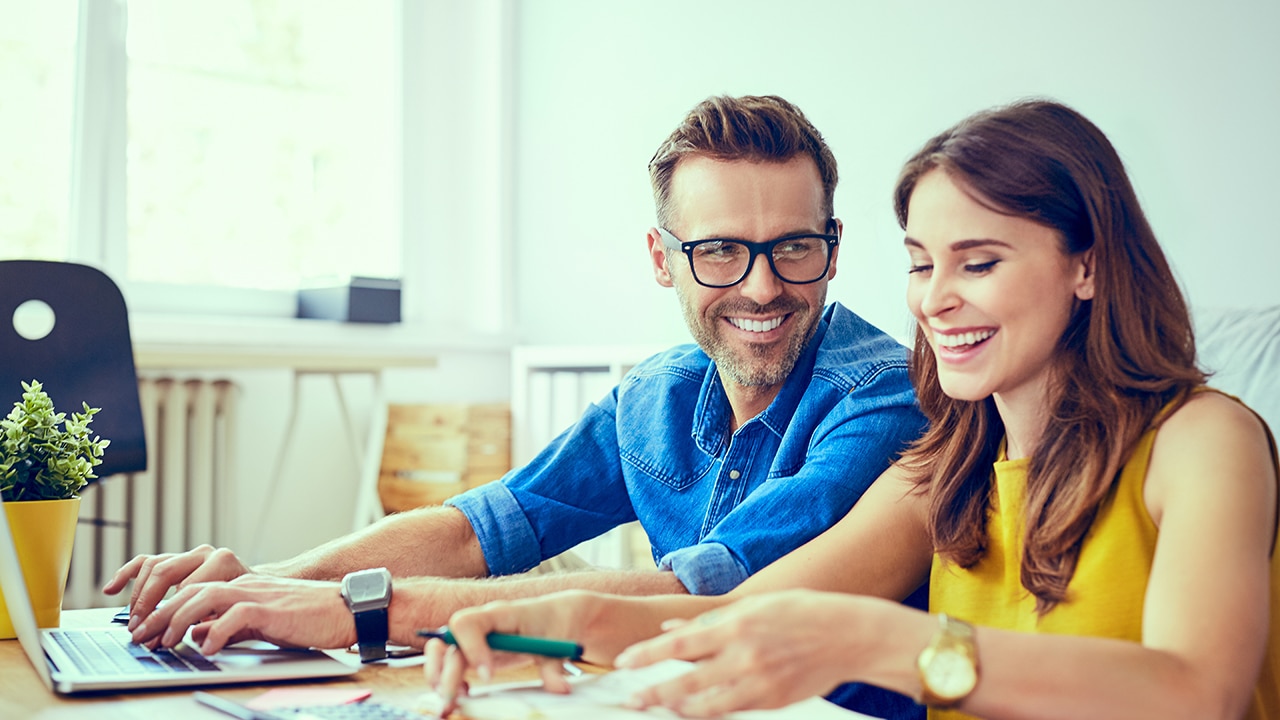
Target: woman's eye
{"x": 919, "y": 269}
{"x": 981, "y": 268}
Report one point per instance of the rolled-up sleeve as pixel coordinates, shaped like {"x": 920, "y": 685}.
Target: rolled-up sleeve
{"x": 570, "y": 492}
{"x": 506, "y": 538}
{"x": 707, "y": 568}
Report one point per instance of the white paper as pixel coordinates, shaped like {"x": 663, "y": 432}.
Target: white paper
{"x": 602, "y": 697}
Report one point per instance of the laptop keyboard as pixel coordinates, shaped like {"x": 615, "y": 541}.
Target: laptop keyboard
{"x": 105, "y": 652}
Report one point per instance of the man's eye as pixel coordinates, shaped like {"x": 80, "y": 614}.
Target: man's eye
{"x": 718, "y": 250}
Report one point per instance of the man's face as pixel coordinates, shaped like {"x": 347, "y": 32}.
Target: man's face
{"x": 757, "y": 329}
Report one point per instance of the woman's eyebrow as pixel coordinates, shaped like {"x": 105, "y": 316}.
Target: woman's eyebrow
{"x": 961, "y": 244}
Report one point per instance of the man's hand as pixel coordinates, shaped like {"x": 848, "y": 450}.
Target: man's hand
{"x": 284, "y": 611}
{"x": 154, "y": 575}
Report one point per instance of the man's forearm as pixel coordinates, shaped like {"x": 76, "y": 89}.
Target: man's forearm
{"x": 428, "y": 602}
{"x": 436, "y": 541}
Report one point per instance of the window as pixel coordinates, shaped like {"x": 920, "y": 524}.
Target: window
{"x": 214, "y": 155}
{"x": 37, "y": 53}
{"x": 260, "y": 142}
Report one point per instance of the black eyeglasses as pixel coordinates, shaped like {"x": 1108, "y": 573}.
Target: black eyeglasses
{"x": 721, "y": 262}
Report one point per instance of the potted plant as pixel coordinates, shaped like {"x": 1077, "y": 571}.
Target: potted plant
{"x": 45, "y": 460}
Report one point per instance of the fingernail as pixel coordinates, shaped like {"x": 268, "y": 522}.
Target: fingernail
{"x": 624, "y": 659}
{"x": 134, "y": 620}
{"x": 634, "y": 702}
{"x": 485, "y": 672}
{"x": 447, "y": 696}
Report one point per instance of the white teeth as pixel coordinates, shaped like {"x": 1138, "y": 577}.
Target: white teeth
{"x": 962, "y": 339}
{"x": 756, "y": 325}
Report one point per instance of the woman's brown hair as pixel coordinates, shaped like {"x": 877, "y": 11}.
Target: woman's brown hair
{"x": 1125, "y": 354}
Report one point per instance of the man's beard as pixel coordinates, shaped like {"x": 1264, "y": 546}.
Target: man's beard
{"x": 746, "y": 363}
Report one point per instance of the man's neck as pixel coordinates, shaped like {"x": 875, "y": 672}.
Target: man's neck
{"x": 747, "y": 402}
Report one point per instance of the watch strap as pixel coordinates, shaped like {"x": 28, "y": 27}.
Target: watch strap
{"x": 371, "y": 634}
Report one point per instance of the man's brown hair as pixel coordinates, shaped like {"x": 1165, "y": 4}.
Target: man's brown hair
{"x": 762, "y": 128}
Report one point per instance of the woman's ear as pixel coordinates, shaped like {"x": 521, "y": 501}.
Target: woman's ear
{"x": 1085, "y": 280}
{"x": 658, "y": 256}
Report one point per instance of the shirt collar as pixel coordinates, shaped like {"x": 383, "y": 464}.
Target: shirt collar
{"x": 712, "y": 414}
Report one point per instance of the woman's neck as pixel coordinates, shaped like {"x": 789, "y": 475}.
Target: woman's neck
{"x": 1024, "y": 415}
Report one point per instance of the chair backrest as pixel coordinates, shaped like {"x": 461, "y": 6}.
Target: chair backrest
{"x": 86, "y": 357}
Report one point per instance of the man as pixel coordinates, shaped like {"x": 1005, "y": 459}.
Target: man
{"x": 730, "y": 453}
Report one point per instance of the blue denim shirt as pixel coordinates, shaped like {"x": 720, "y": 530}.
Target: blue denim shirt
{"x": 717, "y": 507}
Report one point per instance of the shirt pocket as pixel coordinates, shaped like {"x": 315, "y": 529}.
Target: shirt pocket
{"x": 678, "y": 474}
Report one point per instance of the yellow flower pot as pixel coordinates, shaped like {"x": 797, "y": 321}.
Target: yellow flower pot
{"x": 43, "y": 533}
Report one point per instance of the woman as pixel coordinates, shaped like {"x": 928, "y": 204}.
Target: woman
{"x": 1098, "y": 528}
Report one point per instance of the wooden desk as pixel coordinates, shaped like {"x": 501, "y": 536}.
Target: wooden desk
{"x": 23, "y": 695}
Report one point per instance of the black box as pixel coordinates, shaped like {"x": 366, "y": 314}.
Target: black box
{"x": 357, "y": 299}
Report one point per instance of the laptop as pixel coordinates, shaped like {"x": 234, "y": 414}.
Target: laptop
{"x": 71, "y": 661}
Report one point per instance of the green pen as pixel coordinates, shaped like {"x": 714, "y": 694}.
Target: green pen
{"x": 517, "y": 644}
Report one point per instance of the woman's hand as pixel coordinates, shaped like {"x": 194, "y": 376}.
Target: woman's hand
{"x": 765, "y": 651}
{"x": 567, "y": 615}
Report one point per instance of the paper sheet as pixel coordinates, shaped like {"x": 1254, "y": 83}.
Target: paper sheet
{"x": 601, "y": 697}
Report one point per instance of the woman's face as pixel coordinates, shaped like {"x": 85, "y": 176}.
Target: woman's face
{"x": 993, "y": 293}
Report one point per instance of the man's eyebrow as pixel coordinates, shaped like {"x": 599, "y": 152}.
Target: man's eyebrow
{"x": 961, "y": 244}
{"x": 789, "y": 233}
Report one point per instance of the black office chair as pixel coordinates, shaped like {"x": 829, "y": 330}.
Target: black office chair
{"x": 86, "y": 357}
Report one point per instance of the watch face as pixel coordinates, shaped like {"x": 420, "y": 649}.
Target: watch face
{"x": 950, "y": 674}
{"x": 365, "y": 587}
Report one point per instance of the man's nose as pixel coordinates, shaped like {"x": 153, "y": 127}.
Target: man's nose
{"x": 761, "y": 285}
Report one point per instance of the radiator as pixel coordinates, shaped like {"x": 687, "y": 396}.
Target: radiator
{"x": 551, "y": 386}
{"x": 180, "y": 501}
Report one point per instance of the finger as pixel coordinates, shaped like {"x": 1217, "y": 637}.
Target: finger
{"x": 673, "y": 624}
{"x": 140, "y": 582}
{"x": 692, "y": 641}
{"x": 553, "y": 679}
{"x": 451, "y": 679}
{"x": 720, "y": 699}
{"x": 160, "y": 577}
{"x": 161, "y": 620}
{"x": 471, "y": 630}
{"x": 706, "y": 677}
{"x": 199, "y": 603}
{"x": 122, "y": 577}
{"x": 236, "y": 624}
{"x": 433, "y": 661}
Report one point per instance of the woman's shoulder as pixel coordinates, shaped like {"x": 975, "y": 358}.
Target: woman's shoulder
{"x": 1213, "y": 437}
{"x": 1211, "y": 415}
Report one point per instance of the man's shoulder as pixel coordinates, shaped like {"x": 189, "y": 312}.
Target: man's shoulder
{"x": 684, "y": 361}
{"x": 856, "y": 350}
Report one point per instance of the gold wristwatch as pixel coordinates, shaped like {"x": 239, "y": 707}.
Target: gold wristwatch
{"x": 949, "y": 664}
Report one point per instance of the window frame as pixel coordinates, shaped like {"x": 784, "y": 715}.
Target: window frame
{"x": 205, "y": 318}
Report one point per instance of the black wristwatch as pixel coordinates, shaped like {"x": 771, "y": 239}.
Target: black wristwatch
{"x": 368, "y": 593}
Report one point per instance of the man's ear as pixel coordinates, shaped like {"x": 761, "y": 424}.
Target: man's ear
{"x": 658, "y": 256}
{"x": 1085, "y": 279}
{"x": 835, "y": 251}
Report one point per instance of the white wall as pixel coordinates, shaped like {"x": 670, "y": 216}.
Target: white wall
{"x": 543, "y": 115}
{"x": 1188, "y": 92}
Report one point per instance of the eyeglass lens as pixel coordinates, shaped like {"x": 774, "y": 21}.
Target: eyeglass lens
{"x": 726, "y": 262}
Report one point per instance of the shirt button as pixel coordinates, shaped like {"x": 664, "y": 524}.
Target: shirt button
{"x": 734, "y": 474}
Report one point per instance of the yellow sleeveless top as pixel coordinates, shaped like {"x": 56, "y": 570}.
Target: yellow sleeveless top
{"x": 1109, "y": 584}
